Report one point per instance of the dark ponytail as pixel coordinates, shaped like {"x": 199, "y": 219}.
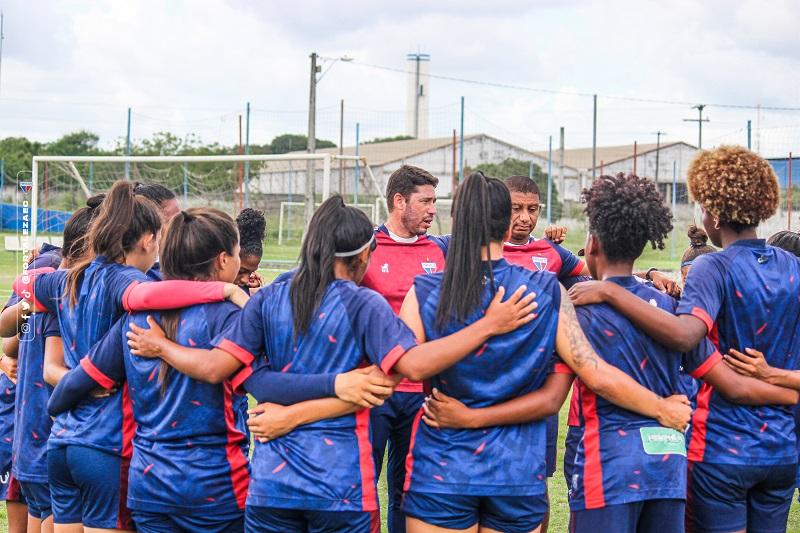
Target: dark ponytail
{"x": 252, "y": 226}
{"x": 77, "y": 228}
{"x": 334, "y": 228}
{"x": 786, "y": 240}
{"x": 192, "y": 241}
{"x": 121, "y": 222}
{"x": 481, "y": 215}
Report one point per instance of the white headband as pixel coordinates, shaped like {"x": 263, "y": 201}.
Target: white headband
{"x": 358, "y": 251}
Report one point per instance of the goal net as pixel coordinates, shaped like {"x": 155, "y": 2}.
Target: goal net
{"x": 36, "y": 205}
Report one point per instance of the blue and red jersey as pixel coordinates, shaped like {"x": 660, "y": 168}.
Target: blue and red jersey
{"x": 188, "y": 455}
{"x": 7, "y": 397}
{"x": 493, "y": 461}
{"x": 393, "y": 266}
{"x": 102, "y": 423}
{"x": 31, "y": 423}
{"x": 747, "y": 296}
{"x": 615, "y": 462}
{"x": 326, "y": 465}
{"x": 544, "y": 255}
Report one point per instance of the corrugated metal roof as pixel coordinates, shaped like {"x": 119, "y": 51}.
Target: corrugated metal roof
{"x": 581, "y": 158}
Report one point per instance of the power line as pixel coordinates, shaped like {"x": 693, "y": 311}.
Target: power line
{"x": 575, "y": 93}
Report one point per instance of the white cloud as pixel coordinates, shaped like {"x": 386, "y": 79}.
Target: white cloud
{"x": 190, "y": 66}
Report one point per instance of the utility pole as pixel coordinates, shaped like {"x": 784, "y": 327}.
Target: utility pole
{"x": 341, "y": 147}
{"x": 128, "y": 148}
{"x": 311, "y": 167}
{"x": 594, "y": 135}
{"x": 560, "y": 164}
{"x": 658, "y": 135}
{"x": 2, "y": 36}
{"x": 247, "y": 163}
{"x": 699, "y": 121}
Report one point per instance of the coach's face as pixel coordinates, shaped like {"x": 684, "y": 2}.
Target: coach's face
{"x": 418, "y": 211}
{"x": 524, "y": 215}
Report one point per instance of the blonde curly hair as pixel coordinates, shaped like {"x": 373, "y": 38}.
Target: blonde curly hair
{"x": 735, "y": 185}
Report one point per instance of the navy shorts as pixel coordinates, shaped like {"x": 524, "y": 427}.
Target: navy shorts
{"x": 662, "y": 515}
{"x": 170, "y": 523}
{"x": 274, "y": 520}
{"x": 722, "y": 498}
{"x": 510, "y": 514}
{"x": 37, "y": 495}
{"x": 574, "y": 436}
{"x": 551, "y": 436}
{"x": 391, "y": 422}
{"x": 9, "y": 486}
{"x": 88, "y": 486}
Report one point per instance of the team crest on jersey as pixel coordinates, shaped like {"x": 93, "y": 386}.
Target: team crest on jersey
{"x": 385, "y": 268}
{"x": 429, "y": 268}
{"x": 539, "y": 262}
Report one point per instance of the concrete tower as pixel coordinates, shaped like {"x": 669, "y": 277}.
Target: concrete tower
{"x": 417, "y": 95}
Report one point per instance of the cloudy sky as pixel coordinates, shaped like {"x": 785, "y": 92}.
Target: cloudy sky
{"x": 190, "y": 67}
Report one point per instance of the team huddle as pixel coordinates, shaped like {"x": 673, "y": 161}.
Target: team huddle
{"x": 126, "y": 387}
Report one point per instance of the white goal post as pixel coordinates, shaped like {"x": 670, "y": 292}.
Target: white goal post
{"x": 69, "y": 162}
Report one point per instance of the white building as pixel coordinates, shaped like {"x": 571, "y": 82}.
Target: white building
{"x": 439, "y": 156}
{"x": 672, "y": 157}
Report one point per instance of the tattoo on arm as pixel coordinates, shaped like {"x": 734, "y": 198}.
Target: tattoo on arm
{"x": 582, "y": 352}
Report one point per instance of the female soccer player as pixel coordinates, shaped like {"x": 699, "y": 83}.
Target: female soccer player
{"x": 319, "y": 320}
{"x": 493, "y": 479}
{"x": 89, "y": 446}
{"x": 252, "y": 227}
{"x": 742, "y": 460}
{"x": 181, "y": 422}
{"x": 698, "y": 245}
{"x": 31, "y": 422}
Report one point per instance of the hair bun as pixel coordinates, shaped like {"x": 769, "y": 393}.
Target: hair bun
{"x": 94, "y": 201}
{"x": 697, "y": 237}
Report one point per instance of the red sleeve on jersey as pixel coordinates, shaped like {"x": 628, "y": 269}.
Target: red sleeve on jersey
{"x": 171, "y": 294}
{"x": 391, "y": 359}
{"x": 702, "y": 315}
{"x": 24, "y": 286}
{"x": 709, "y": 363}
{"x": 577, "y": 270}
{"x": 96, "y": 374}
{"x": 240, "y": 377}
{"x": 239, "y": 353}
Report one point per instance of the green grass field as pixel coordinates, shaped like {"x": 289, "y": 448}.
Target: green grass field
{"x": 281, "y": 258}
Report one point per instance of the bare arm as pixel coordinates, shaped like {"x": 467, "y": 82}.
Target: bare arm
{"x": 745, "y": 390}
{"x": 54, "y": 367}
{"x": 430, "y": 358}
{"x": 680, "y": 333}
{"x": 753, "y": 363}
{"x": 11, "y": 319}
{"x": 446, "y": 412}
{"x": 607, "y": 380}
{"x": 210, "y": 366}
{"x": 268, "y": 421}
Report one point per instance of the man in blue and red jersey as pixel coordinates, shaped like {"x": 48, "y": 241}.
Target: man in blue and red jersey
{"x": 404, "y": 251}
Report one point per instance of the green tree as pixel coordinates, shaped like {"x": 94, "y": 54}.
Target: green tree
{"x": 17, "y": 153}
{"x": 377, "y": 140}
{"x": 76, "y": 143}
{"x": 290, "y": 142}
{"x": 518, "y": 167}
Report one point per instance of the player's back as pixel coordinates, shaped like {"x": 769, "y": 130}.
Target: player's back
{"x": 326, "y": 465}
{"x": 751, "y": 291}
{"x": 629, "y": 349}
{"x": 504, "y": 460}
{"x": 95, "y": 422}
{"x": 187, "y": 444}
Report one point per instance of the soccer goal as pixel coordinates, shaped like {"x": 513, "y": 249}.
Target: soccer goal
{"x": 274, "y": 184}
